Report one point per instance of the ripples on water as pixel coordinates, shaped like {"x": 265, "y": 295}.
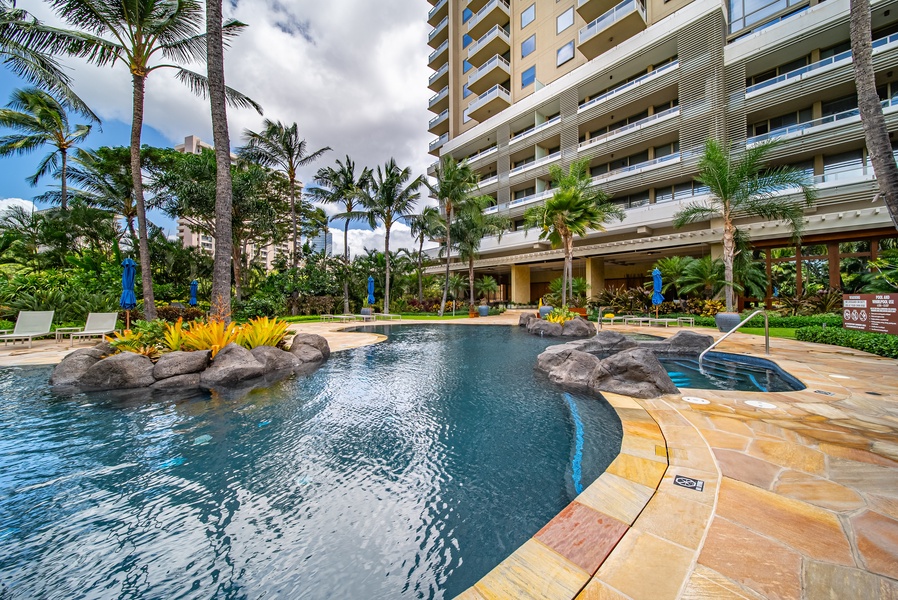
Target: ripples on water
{"x": 405, "y": 469}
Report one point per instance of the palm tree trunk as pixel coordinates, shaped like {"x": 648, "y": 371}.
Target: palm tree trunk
{"x": 346, "y": 258}
{"x": 130, "y": 221}
{"x": 387, "y": 259}
{"x": 568, "y": 243}
{"x": 293, "y": 220}
{"x": 143, "y": 246}
{"x": 729, "y": 253}
{"x": 62, "y": 177}
{"x": 237, "y": 262}
{"x": 221, "y": 269}
{"x": 471, "y": 280}
{"x": 420, "y": 271}
{"x": 876, "y": 132}
{"x": 448, "y": 247}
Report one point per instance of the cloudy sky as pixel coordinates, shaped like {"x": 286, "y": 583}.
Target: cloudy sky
{"x": 351, "y": 73}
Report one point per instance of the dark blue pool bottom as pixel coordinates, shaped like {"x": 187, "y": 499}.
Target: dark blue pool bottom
{"x": 725, "y": 371}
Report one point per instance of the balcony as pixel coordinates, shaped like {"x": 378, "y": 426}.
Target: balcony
{"x": 492, "y": 101}
{"x": 808, "y": 127}
{"x": 440, "y": 79}
{"x": 495, "y": 41}
{"x": 439, "y": 124}
{"x": 439, "y": 101}
{"x": 435, "y": 145}
{"x": 629, "y": 86}
{"x": 520, "y": 136}
{"x": 476, "y": 5}
{"x": 536, "y": 163}
{"x": 495, "y": 70}
{"x": 591, "y": 10}
{"x": 496, "y": 12}
{"x": 618, "y": 24}
{"x": 481, "y": 155}
{"x": 439, "y": 34}
{"x": 439, "y": 10}
{"x": 637, "y": 168}
{"x": 488, "y": 181}
{"x": 438, "y": 56}
{"x": 519, "y": 202}
{"x": 664, "y": 115}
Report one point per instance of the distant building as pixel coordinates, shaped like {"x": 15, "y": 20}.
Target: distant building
{"x": 322, "y": 242}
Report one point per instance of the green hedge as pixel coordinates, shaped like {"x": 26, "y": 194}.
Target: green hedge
{"x": 882, "y": 344}
{"x": 775, "y": 320}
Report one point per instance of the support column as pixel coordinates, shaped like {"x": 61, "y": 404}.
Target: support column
{"x": 520, "y": 284}
{"x": 595, "y": 276}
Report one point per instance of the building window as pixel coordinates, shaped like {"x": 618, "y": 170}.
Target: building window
{"x": 528, "y": 45}
{"x": 466, "y": 40}
{"x": 528, "y": 76}
{"x": 465, "y": 66}
{"x": 466, "y": 14}
{"x": 751, "y": 13}
{"x": 528, "y": 15}
{"x": 465, "y": 92}
{"x": 564, "y": 20}
{"x": 565, "y": 53}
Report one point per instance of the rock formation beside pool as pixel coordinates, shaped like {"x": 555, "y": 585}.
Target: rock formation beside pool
{"x": 630, "y": 367}
{"x": 576, "y": 327}
{"x": 101, "y": 368}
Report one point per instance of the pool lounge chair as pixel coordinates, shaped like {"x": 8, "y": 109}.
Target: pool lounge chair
{"x": 98, "y": 325}
{"x": 29, "y": 325}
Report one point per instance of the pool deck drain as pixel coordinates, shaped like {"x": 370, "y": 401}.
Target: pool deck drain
{"x": 800, "y": 501}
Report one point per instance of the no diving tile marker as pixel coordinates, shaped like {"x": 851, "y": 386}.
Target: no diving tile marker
{"x": 688, "y": 482}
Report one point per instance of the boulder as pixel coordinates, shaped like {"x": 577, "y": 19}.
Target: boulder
{"x": 120, "y": 371}
{"x": 578, "y": 327}
{"x": 178, "y": 382}
{"x": 311, "y": 339}
{"x": 525, "y": 318}
{"x": 231, "y": 365}
{"x": 688, "y": 342}
{"x": 552, "y": 357}
{"x": 74, "y": 366}
{"x": 541, "y": 327}
{"x": 635, "y": 372}
{"x": 177, "y": 363}
{"x": 105, "y": 347}
{"x": 275, "y": 359}
{"x": 306, "y": 354}
{"x": 576, "y": 371}
{"x": 607, "y": 342}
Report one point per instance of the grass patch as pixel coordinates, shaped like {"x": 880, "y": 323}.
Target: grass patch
{"x": 777, "y": 332}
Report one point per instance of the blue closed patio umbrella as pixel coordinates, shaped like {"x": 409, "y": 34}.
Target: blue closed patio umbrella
{"x": 657, "y": 297}
{"x": 370, "y": 289}
{"x": 128, "y": 301}
{"x": 193, "y": 287}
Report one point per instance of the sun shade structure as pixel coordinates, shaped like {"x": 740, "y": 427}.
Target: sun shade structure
{"x": 370, "y": 289}
{"x": 29, "y": 325}
{"x": 128, "y": 300}
{"x": 193, "y": 288}
{"x": 657, "y": 297}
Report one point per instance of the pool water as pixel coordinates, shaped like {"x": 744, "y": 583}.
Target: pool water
{"x": 405, "y": 469}
{"x": 723, "y": 371}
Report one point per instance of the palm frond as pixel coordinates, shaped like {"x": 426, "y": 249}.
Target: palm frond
{"x": 199, "y": 85}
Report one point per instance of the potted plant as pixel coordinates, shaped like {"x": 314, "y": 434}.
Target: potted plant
{"x": 484, "y": 309}
{"x": 485, "y": 285}
{"x": 472, "y": 311}
{"x": 366, "y": 308}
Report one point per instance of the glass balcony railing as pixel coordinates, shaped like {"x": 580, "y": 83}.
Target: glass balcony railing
{"x": 521, "y": 135}
{"x": 486, "y": 10}
{"x": 539, "y": 161}
{"x": 630, "y": 168}
{"x": 532, "y": 198}
{"x": 443, "y": 115}
{"x": 439, "y": 142}
{"x": 438, "y": 96}
{"x": 486, "y": 38}
{"x": 497, "y": 91}
{"x": 481, "y": 154}
{"x": 489, "y": 180}
{"x": 631, "y": 127}
{"x": 440, "y": 49}
{"x": 440, "y": 72}
{"x": 611, "y": 17}
{"x": 487, "y": 67}
{"x": 436, "y": 9}
{"x": 841, "y": 57}
{"x": 801, "y": 127}
{"x": 436, "y": 30}
{"x": 629, "y": 85}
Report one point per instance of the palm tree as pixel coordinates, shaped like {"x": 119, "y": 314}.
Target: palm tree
{"x": 39, "y": 119}
{"x": 455, "y": 184}
{"x": 134, "y": 33}
{"x": 425, "y": 225}
{"x": 278, "y": 146}
{"x": 457, "y": 283}
{"x": 390, "y": 194}
{"x": 869, "y": 104}
{"x": 703, "y": 276}
{"x": 469, "y": 229}
{"x": 672, "y": 268}
{"x": 745, "y": 187}
{"x": 576, "y": 206}
{"x": 102, "y": 178}
{"x": 486, "y": 285}
{"x": 341, "y": 186}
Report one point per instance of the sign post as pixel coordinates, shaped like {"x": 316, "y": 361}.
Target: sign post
{"x": 870, "y": 312}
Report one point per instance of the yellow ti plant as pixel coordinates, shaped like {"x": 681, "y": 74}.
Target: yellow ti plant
{"x": 213, "y": 336}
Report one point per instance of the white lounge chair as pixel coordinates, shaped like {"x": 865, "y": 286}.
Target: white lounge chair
{"x": 29, "y": 325}
{"x": 98, "y": 325}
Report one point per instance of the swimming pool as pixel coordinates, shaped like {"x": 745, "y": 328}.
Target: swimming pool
{"x": 405, "y": 469}
{"x": 724, "y": 371}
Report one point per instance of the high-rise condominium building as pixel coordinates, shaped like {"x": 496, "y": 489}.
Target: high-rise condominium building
{"x": 636, "y": 88}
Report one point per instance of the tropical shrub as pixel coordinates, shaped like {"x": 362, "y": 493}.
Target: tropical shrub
{"x": 262, "y": 304}
{"x": 316, "y": 305}
{"x": 173, "y": 313}
{"x": 174, "y": 334}
{"x": 560, "y": 315}
{"x": 882, "y": 344}
{"x": 134, "y": 341}
{"x": 213, "y": 335}
{"x": 262, "y": 332}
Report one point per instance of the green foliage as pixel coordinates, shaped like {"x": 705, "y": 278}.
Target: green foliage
{"x": 173, "y": 313}
{"x": 560, "y": 315}
{"x": 882, "y": 344}
{"x": 486, "y": 285}
{"x": 174, "y": 335}
{"x": 262, "y": 332}
{"x": 262, "y": 304}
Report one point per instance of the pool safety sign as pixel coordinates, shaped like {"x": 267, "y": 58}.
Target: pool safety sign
{"x": 870, "y": 312}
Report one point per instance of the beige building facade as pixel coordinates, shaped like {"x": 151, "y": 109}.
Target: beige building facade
{"x": 636, "y": 88}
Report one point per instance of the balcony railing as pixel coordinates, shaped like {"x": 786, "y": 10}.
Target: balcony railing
{"x": 439, "y": 142}
{"x": 519, "y": 202}
{"x": 611, "y": 17}
{"x": 539, "y": 161}
{"x": 481, "y": 154}
{"x": 438, "y": 96}
{"x": 629, "y": 168}
{"x": 436, "y": 9}
{"x": 519, "y": 136}
{"x": 489, "y": 180}
{"x": 436, "y": 30}
{"x": 631, "y": 127}
{"x": 832, "y": 60}
{"x": 440, "y": 72}
{"x": 802, "y": 127}
{"x": 441, "y": 48}
{"x": 494, "y": 92}
{"x": 486, "y": 10}
{"x": 487, "y": 67}
{"x": 438, "y": 118}
{"x": 629, "y": 85}
{"x": 486, "y": 38}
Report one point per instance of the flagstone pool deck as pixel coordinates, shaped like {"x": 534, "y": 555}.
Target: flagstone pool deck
{"x": 799, "y": 500}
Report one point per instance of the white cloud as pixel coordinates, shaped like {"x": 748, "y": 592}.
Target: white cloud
{"x": 7, "y": 203}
